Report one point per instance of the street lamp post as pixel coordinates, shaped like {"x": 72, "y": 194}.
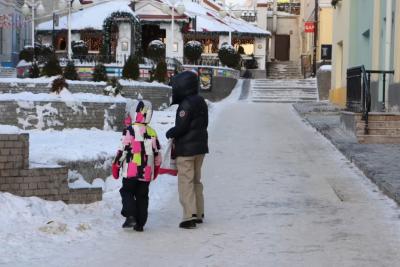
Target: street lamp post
{"x": 225, "y": 13}
{"x": 181, "y": 9}
{"x": 70, "y": 4}
{"x": 31, "y": 5}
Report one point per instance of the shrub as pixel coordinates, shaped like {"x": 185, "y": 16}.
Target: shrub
{"x": 161, "y": 72}
{"x": 43, "y": 53}
{"x": 251, "y": 63}
{"x": 103, "y": 54}
{"x": 100, "y": 73}
{"x": 114, "y": 88}
{"x": 228, "y": 56}
{"x": 79, "y": 48}
{"x": 58, "y": 85}
{"x": 34, "y": 71}
{"x": 131, "y": 68}
{"x": 26, "y": 54}
{"x": 70, "y": 71}
{"x": 52, "y": 67}
{"x": 156, "y": 50}
{"x": 193, "y": 50}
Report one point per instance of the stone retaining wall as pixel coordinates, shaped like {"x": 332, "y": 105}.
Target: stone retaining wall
{"x": 60, "y": 115}
{"x": 91, "y": 169}
{"x": 159, "y": 96}
{"x": 48, "y": 183}
{"x": 221, "y": 88}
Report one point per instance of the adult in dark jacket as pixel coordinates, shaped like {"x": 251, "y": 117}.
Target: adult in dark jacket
{"x": 191, "y": 145}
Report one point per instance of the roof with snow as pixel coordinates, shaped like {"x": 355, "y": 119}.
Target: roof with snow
{"x": 90, "y": 17}
{"x": 207, "y": 19}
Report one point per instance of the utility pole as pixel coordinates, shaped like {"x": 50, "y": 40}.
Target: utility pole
{"x": 316, "y": 11}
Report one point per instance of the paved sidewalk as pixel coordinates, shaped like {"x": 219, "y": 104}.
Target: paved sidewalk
{"x": 379, "y": 162}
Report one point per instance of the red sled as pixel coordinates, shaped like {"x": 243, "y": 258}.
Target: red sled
{"x": 168, "y": 165}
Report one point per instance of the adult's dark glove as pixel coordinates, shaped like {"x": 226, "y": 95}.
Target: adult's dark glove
{"x": 169, "y": 133}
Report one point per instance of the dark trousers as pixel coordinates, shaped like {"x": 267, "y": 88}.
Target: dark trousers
{"x": 135, "y": 199}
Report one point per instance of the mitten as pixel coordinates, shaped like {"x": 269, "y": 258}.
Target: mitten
{"x": 115, "y": 170}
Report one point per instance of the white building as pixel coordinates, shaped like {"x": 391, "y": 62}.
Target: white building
{"x": 202, "y": 21}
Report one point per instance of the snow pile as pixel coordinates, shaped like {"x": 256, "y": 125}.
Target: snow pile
{"x": 157, "y": 43}
{"x": 64, "y": 96}
{"x": 133, "y": 83}
{"x": 194, "y": 43}
{"x": 23, "y": 63}
{"x": 30, "y": 226}
{"x": 325, "y": 68}
{"x": 48, "y": 80}
{"x": 8, "y": 129}
{"x": 52, "y": 147}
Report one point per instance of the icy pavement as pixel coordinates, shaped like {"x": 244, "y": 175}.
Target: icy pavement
{"x": 277, "y": 194}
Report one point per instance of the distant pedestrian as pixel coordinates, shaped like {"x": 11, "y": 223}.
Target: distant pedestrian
{"x": 139, "y": 160}
{"x": 191, "y": 144}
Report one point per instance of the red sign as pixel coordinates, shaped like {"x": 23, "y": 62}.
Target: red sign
{"x": 309, "y": 26}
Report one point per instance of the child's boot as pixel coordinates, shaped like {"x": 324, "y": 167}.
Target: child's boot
{"x": 138, "y": 228}
{"x": 129, "y": 222}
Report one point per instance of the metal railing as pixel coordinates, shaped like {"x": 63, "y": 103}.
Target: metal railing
{"x": 93, "y": 59}
{"x": 384, "y": 80}
{"x": 359, "y": 91}
{"x": 204, "y": 60}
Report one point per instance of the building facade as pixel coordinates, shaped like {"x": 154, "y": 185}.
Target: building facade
{"x": 200, "y": 20}
{"x": 325, "y": 29}
{"x": 367, "y": 32}
{"x": 14, "y": 32}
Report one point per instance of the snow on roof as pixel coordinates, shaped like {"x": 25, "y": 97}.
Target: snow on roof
{"x": 208, "y": 20}
{"x": 280, "y": 14}
{"x": 91, "y": 17}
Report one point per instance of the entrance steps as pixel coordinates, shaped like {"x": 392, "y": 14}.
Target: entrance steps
{"x": 284, "y": 91}
{"x": 383, "y": 128}
{"x": 284, "y": 70}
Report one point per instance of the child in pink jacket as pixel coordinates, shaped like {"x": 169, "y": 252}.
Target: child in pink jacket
{"x": 137, "y": 161}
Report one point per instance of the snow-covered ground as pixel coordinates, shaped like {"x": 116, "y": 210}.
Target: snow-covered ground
{"x": 277, "y": 194}
{"x": 32, "y": 227}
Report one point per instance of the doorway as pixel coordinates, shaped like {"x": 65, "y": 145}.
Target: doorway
{"x": 151, "y": 32}
{"x": 282, "y": 47}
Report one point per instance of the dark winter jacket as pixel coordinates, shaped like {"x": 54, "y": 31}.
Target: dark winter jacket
{"x": 190, "y": 131}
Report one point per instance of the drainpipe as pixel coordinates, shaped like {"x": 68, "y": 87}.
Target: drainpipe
{"x": 275, "y": 17}
{"x": 316, "y": 10}
{"x": 388, "y": 44}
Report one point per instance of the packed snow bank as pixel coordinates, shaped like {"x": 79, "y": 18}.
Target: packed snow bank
{"x": 52, "y": 147}
{"x": 325, "y": 68}
{"x": 32, "y": 226}
{"x": 64, "y": 96}
{"x": 8, "y": 129}
{"x": 134, "y": 83}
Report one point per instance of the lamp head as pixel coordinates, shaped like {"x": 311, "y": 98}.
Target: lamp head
{"x": 40, "y": 9}
{"x": 180, "y": 8}
{"x": 25, "y": 9}
{"x": 76, "y": 5}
